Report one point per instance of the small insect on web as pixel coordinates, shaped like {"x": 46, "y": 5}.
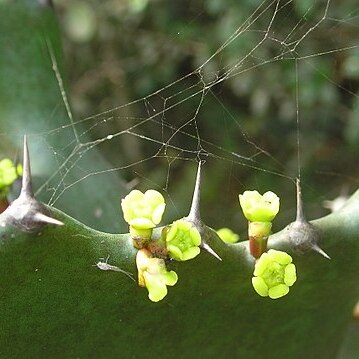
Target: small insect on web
{"x": 103, "y": 265}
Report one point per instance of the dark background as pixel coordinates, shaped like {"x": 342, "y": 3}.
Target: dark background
{"x": 120, "y": 51}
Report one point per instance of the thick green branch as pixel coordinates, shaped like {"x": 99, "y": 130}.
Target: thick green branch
{"x": 56, "y": 302}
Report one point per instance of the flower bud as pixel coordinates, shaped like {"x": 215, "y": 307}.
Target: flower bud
{"x": 143, "y": 211}
{"x": 259, "y": 208}
{"x": 227, "y": 235}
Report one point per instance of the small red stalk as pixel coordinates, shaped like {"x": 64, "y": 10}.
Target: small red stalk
{"x": 257, "y": 246}
{"x": 258, "y": 233}
{"x": 4, "y": 203}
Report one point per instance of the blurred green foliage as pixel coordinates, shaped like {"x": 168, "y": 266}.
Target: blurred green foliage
{"x": 31, "y": 104}
{"x": 120, "y": 51}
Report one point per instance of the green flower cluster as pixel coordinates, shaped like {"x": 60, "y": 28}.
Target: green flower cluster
{"x": 183, "y": 240}
{"x": 153, "y": 274}
{"x": 180, "y": 241}
{"x": 274, "y": 273}
{"x": 8, "y": 174}
{"x": 260, "y": 210}
{"x": 143, "y": 211}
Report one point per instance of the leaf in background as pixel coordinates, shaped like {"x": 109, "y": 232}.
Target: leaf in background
{"x": 31, "y": 103}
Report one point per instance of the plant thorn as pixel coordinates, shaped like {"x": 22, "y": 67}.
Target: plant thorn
{"x": 26, "y": 213}
{"x": 26, "y": 188}
{"x": 207, "y": 248}
{"x": 302, "y": 234}
{"x": 317, "y": 249}
{"x": 194, "y": 213}
{"x": 300, "y": 210}
{"x": 40, "y": 217}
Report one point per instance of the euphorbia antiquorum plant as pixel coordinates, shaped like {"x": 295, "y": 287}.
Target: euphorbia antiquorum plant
{"x": 163, "y": 289}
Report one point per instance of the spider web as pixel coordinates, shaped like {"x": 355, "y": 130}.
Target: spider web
{"x": 152, "y": 122}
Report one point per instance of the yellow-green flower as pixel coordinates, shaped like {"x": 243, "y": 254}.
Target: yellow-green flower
{"x": 153, "y": 274}
{"x": 227, "y": 235}
{"x": 183, "y": 240}
{"x": 8, "y": 174}
{"x": 274, "y": 273}
{"x": 143, "y": 211}
{"x": 259, "y": 208}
